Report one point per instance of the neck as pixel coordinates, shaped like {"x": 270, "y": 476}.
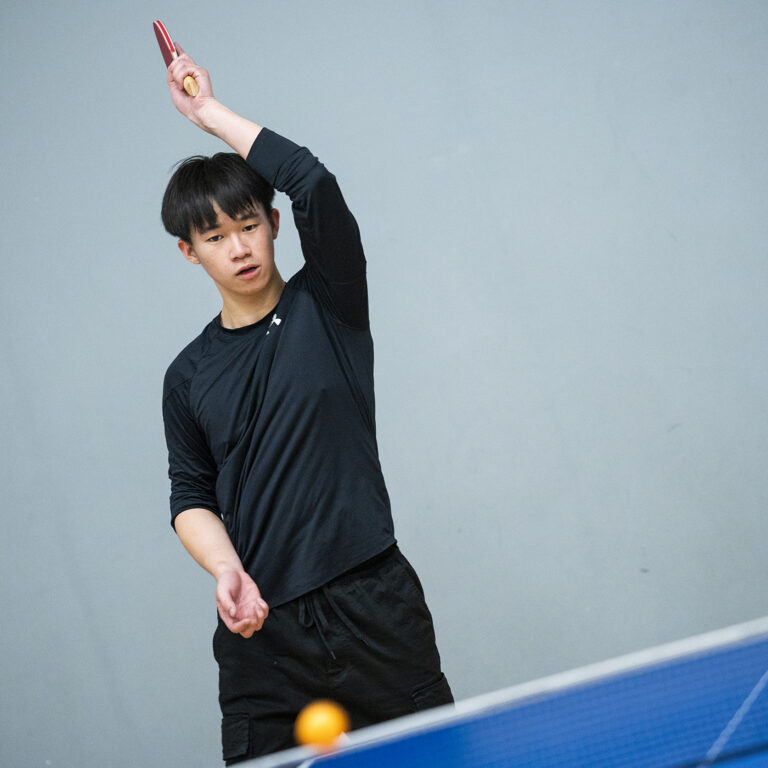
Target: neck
{"x": 239, "y": 311}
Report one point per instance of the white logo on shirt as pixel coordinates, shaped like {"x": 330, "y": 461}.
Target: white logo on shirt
{"x": 275, "y": 321}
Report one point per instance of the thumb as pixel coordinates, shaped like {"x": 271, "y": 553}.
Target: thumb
{"x": 227, "y": 605}
{"x": 226, "y": 598}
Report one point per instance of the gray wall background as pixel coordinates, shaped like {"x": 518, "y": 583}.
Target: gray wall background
{"x": 564, "y": 210}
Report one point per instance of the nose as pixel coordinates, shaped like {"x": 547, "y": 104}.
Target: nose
{"x": 239, "y": 248}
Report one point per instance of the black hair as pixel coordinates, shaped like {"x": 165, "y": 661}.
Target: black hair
{"x": 198, "y": 182}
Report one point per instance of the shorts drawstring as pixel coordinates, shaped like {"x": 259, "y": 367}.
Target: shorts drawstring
{"x": 311, "y": 614}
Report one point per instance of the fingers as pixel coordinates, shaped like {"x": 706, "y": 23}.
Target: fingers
{"x": 252, "y": 594}
{"x": 226, "y": 607}
{"x": 245, "y": 626}
{"x": 239, "y": 614}
{"x": 179, "y": 69}
{"x": 261, "y": 607}
{"x": 226, "y": 596}
{"x": 249, "y": 629}
{"x": 240, "y": 604}
{"x": 184, "y": 74}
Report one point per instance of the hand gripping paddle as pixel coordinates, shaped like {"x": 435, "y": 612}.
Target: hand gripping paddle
{"x": 168, "y": 49}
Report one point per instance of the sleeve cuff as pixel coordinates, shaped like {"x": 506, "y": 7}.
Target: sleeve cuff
{"x": 177, "y": 509}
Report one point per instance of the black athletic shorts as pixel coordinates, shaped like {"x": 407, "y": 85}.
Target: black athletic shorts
{"x": 365, "y": 640}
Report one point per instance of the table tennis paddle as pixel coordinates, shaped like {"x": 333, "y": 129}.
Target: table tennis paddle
{"x": 168, "y": 49}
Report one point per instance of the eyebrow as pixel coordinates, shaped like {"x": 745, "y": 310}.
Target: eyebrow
{"x": 242, "y": 217}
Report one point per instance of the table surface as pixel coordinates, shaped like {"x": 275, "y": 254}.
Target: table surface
{"x": 690, "y": 704}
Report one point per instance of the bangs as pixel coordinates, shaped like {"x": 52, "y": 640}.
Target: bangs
{"x": 224, "y": 179}
{"x": 202, "y": 215}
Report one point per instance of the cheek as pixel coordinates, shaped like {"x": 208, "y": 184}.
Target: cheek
{"x": 268, "y": 246}
{"x": 211, "y": 268}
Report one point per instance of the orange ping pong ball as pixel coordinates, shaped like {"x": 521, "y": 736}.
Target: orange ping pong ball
{"x": 321, "y": 723}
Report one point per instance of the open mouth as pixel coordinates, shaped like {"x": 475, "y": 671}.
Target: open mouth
{"x": 247, "y": 271}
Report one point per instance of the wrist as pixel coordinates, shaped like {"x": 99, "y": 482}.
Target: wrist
{"x": 221, "y": 568}
{"x": 211, "y": 115}
{"x": 231, "y": 128}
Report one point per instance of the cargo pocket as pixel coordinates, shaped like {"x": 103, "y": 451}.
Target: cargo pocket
{"x": 433, "y": 695}
{"x": 235, "y": 730}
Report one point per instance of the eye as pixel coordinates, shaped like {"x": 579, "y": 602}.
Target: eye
{"x": 213, "y": 239}
{"x": 249, "y": 227}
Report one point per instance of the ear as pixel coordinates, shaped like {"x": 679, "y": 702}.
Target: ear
{"x": 188, "y": 251}
{"x": 275, "y": 221}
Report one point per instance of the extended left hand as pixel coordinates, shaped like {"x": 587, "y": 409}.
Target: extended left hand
{"x": 241, "y": 606}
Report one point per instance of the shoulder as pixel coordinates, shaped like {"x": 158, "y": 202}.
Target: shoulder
{"x": 298, "y": 281}
{"x": 185, "y": 364}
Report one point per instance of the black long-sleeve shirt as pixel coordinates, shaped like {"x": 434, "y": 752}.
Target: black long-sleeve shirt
{"x": 272, "y": 426}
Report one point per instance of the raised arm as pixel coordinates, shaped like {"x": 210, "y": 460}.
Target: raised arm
{"x": 330, "y": 238}
{"x": 204, "y": 111}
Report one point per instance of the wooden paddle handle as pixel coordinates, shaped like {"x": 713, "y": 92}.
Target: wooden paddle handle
{"x": 190, "y": 84}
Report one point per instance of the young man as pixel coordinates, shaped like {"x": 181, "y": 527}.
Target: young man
{"x": 276, "y": 487}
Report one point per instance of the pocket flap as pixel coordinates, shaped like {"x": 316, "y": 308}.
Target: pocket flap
{"x": 433, "y": 695}
{"x": 235, "y": 731}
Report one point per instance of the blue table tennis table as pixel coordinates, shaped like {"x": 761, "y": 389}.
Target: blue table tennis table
{"x": 691, "y": 704}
